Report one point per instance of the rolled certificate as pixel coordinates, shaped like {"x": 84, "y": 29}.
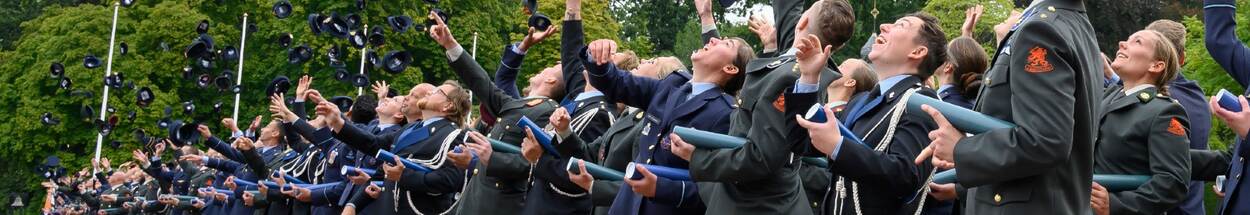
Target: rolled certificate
{"x": 351, "y": 171}
{"x": 596, "y": 171}
{"x": 1113, "y": 183}
{"x": 289, "y": 178}
{"x": 816, "y": 161}
{"x": 241, "y": 182}
{"x": 817, "y": 114}
{"x": 1116, "y": 183}
{"x": 705, "y": 139}
{"x": 544, "y": 140}
{"x": 661, "y": 171}
{"x": 1228, "y": 101}
{"x": 965, "y": 120}
{"x": 388, "y": 157}
{"x": 500, "y": 146}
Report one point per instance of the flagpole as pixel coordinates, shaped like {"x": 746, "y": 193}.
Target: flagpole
{"x": 108, "y": 71}
{"x": 239, "y": 72}
{"x": 363, "y": 52}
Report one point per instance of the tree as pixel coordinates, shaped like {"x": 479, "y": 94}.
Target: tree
{"x": 951, "y": 15}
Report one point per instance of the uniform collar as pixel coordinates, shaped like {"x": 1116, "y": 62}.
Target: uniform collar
{"x": 429, "y": 121}
{"x": 697, "y": 88}
{"x": 587, "y": 95}
{"x": 1138, "y": 88}
{"x": 888, "y": 83}
{"x": 944, "y": 88}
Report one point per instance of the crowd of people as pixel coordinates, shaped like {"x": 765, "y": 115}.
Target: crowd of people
{"x": 1076, "y": 116}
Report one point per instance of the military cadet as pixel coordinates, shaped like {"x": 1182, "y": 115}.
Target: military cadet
{"x": 702, "y": 101}
{"x": 617, "y": 147}
{"x": 412, "y": 191}
{"x": 762, "y": 176}
{"x": 1046, "y": 80}
{"x": 501, "y": 179}
{"x": 1228, "y": 50}
{"x": 904, "y": 54}
{"x": 961, "y": 74}
{"x": 1149, "y": 136}
{"x": 1191, "y": 97}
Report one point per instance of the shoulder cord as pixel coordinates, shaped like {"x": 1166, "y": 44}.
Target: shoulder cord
{"x": 433, "y": 163}
{"x": 298, "y": 166}
{"x": 896, "y": 113}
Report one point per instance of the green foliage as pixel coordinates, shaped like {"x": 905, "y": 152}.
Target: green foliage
{"x": 950, "y": 14}
{"x": 67, "y": 33}
{"x": 1200, "y": 68}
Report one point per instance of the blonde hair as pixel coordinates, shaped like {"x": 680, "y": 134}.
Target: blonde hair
{"x": 667, "y": 65}
{"x": 1165, "y": 51}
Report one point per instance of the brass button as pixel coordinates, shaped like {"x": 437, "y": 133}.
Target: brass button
{"x": 998, "y": 198}
{"x": 496, "y": 184}
{"x": 652, "y": 147}
{"x": 507, "y": 127}
{"x": 474, "y": 171}
{"x": 815, "y": 205}
{"x": 648, "y": 160}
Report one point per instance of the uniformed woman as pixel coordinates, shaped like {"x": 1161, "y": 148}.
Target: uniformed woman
{"x": 1143, "y": 131}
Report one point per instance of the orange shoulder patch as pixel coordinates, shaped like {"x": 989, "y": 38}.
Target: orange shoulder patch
{"x": 1037, "y": 61}
{"x": 1176, "y": 128}
{"x": 780, "y": 103}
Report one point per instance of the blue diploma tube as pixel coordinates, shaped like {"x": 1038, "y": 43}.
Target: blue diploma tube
{"x": 965, "y": 120}
{"x": 1113, "y": 183}
{"x": 596, "y": 171}
{"x": 817, "y": 114}
{"x": 708, "y": 140}
{"x": 388, "y": 157}
{"x": 500, "y": 146}
{"x": 351, "y": 171}
{"x": 543, "y": 139}
{"x": 289, "y": 178}
{"x": 241, "y": 182}
{"x": 1229, "y": 101}
{"x": 660, "y": 171}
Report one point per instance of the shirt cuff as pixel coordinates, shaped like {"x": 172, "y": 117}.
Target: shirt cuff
{"x": 707, "y": 28}
{"x": 299, "y": 100}
{"x": 516, "y": 48}
{"x": 800, "y": 87}
{"x": 834, "y": 155}
{"x": 561, "y": 136}
{"x": 772, "y": 50}
{"x": 453, "y": 54}
{"x": 236, "y": 134}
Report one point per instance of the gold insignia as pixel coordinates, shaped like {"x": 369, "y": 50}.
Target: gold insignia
{"x": 638, "y": 116}
{"x": 774, "y": 64}
{"x": 1144, "y": 97}
{"x": 998, "y": 198}
{"x": 1043, "y": 16}
{"x": 1051, "y": 8}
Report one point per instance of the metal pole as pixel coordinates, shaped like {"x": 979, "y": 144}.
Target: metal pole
{"x": 363, "y": 51}
{"x": 239, "y": 72}
{"x": 108, "y": 70}
{"x": 474, "y": 54}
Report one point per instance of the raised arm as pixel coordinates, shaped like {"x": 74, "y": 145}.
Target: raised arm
{"x": 470, "y": 73}
{"x": 506, "y": 74}
{"x": 572, "y": 39}
{"x": 1222, "y": 42}
{"x": 618, "y": 85}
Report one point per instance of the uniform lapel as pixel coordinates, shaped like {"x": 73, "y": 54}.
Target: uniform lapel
{"x": 694, "y": 104}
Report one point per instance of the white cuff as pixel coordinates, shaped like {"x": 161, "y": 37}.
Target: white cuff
{"x": 708, "y": 27}
{"x": 453, "y": 54}
{"x": 516, "y": 48}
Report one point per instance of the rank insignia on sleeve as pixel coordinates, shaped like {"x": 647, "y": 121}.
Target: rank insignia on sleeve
{"x": 1176, "y": 128}
{"x": 1037, "y": 61}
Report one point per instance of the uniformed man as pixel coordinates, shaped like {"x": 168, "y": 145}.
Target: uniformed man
{"x": 501, "y": 179}
{"x": 1155, "y": 142}
{"x": 1046, "y": 80}
{"x": 411, "y": 191}
{"x": 762, "y": 176}
{"x": 904, "y": 55}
